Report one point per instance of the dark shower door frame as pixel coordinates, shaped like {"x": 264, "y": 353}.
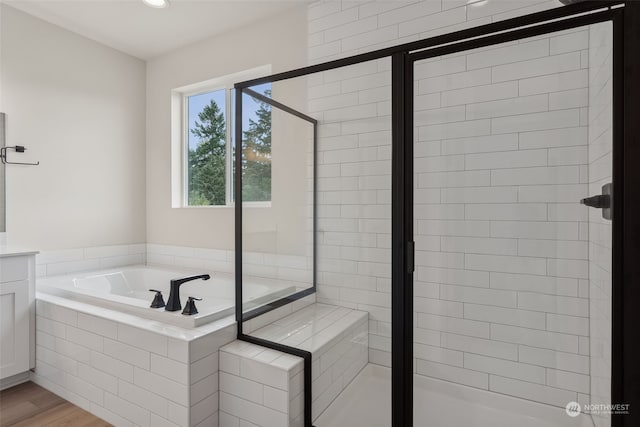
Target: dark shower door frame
{"x": 625, "y": 375}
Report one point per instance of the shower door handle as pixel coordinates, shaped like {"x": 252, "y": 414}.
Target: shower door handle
{"x": 602, "y": 201}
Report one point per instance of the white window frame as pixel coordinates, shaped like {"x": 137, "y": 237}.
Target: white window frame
{"x": 180, "y": 137}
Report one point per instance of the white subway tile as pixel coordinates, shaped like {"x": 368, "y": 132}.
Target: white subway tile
{"x": 453, "y": 325}
{"x": 506, "y": 264}
{"x": 568, "y": 324}
{"x": 112, "y": 366}
{"x": 400, "y": 14}
{"x": 438, "y": 354}
{"x": 143, "y": 398}
{"x": 439, "y": 20}
{"x": 475, "y": 345}
{"x": 543, "y": 284}
{"x": 535, "y": 230}
{"x": 333, "y": 20}
{"x": 568, "y": 156}
{"x": 439, "y": 164}
{"x": 142, "y": 339}
{"x": 98, "y": 378}
{"x": 569, "y": 42}
{"x": 480, "y": 245}
{"x": 257, "y": 414}
{"x": 507, "y": 316}
{"x": 570, "y": 249}
{"x": 536, "y": 175}
{"x": 84, "y": 338}
{"x": 554, "y": 359}
{"x": 454, "y": 179}
{"x": 452, "y": 373}
{"x": 505, "y": 368}
{"x": 453, "y": 276}
{"x": 468, "y": 128}
{"x": 568, "y": 380}
{"x": 569, "y": 99}
{"x": 507, "y": 107}
{"x": 506, "y": 54}
{"x": 176, "y": 392}
{"x": 452, "y": 81}
{"x": 478, "y": 295}
{"x": 481, "y": 144}
{"x": 480, "y": 195}
{"x": 554, "y": 82}
{"x": 512, "y": 212}
{"x": 568, "y": 268}
{"x": 535, "y": 338}
{"x": 439, "y": 115}
{"x": 564, "y": 193}
{"x": 569, "y": 136}
{"x": 506, "y": 159}
{"x": 97, "y": 325}
{"x": 530, "y": 391}
{"x": 127, "y": 410}
{"x": 536, "y": 121}
{"x": 554, "y": 304}
{"x": 479, "y": 93}
{"x": 537, "y": 67}
{"x": 437, "y": 306}
{"x": 439, "y": 66}
{"x": 453, "y": 228}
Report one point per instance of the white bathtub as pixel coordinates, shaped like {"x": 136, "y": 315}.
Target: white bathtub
{"x": 126, "y": 289}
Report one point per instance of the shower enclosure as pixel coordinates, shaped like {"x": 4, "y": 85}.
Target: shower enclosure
{"x": 475, "y": 194}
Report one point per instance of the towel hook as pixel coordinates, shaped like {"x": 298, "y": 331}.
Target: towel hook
{"x": 17, "y": 149}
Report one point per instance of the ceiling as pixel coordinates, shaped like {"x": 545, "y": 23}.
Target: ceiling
{"x": 132, "y": 27}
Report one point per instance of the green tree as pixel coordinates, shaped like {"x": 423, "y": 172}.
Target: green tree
{"x": 256, "y": 155}
{"x": 207, "y": 162}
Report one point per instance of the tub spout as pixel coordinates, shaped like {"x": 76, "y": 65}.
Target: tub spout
{"x": 173, "y": 304}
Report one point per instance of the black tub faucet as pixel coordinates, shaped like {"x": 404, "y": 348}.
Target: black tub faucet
{"x": 173, "y": 304}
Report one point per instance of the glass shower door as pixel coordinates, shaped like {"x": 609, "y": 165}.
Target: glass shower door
{"x": 512, "y": 282}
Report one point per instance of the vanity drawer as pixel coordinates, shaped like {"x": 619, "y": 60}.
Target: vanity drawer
{"x": 13, "y": 269}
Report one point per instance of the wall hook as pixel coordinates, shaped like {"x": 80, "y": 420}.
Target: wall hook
{"x": 17, "y": 149}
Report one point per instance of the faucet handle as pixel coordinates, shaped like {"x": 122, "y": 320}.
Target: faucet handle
{"x": 190, "y": 308}
{"x": 158, "y": 301}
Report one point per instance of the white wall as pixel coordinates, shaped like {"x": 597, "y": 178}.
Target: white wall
{"x": 278, "y": 41}
{"x": 79, "y": 108}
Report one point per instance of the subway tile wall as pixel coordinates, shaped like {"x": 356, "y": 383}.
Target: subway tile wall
{"x": 126, "y": 375}
{"x": 501, "y": 287}
{"x": 600, "y": 169}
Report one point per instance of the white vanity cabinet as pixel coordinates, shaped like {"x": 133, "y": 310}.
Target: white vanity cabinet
{"x": 17, "y": 316}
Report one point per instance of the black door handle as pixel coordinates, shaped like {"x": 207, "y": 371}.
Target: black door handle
{"x": 602, "y": 201}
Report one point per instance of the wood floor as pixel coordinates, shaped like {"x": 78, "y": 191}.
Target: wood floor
{"x": 28, "y": 404}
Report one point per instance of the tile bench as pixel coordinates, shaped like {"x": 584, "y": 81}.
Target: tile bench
{"x": 263, "y": 387}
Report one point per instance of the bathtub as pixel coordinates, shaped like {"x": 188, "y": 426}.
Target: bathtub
{"x": 126, "y": 289}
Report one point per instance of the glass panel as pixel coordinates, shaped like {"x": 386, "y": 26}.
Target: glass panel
{"x": 206, "y": 148}
{"x": 277, "y": 191}
{"x": 513, "y": 279}
{"x": 349, "y": 329}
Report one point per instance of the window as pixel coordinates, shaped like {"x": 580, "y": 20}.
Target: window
{"x": 203, "y": 176}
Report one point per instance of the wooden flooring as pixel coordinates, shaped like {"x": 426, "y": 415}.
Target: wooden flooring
{"x": 28, "y": 404}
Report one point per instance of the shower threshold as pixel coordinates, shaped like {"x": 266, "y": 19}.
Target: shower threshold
{"x": 366, "y": 402}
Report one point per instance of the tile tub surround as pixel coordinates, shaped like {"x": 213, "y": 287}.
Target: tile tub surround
{"x": 65, "y": 261}
{"x": 259, "y": 264}
{"x": 265, "y": 387}
{"x": 127, "y": 370}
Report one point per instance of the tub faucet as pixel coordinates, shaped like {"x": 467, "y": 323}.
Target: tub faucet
{"x": 173, "y": 304}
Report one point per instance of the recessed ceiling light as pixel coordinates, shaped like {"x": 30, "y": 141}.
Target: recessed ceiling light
{"x": 477, "y": 2}
{"x": 158, "y": 4}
